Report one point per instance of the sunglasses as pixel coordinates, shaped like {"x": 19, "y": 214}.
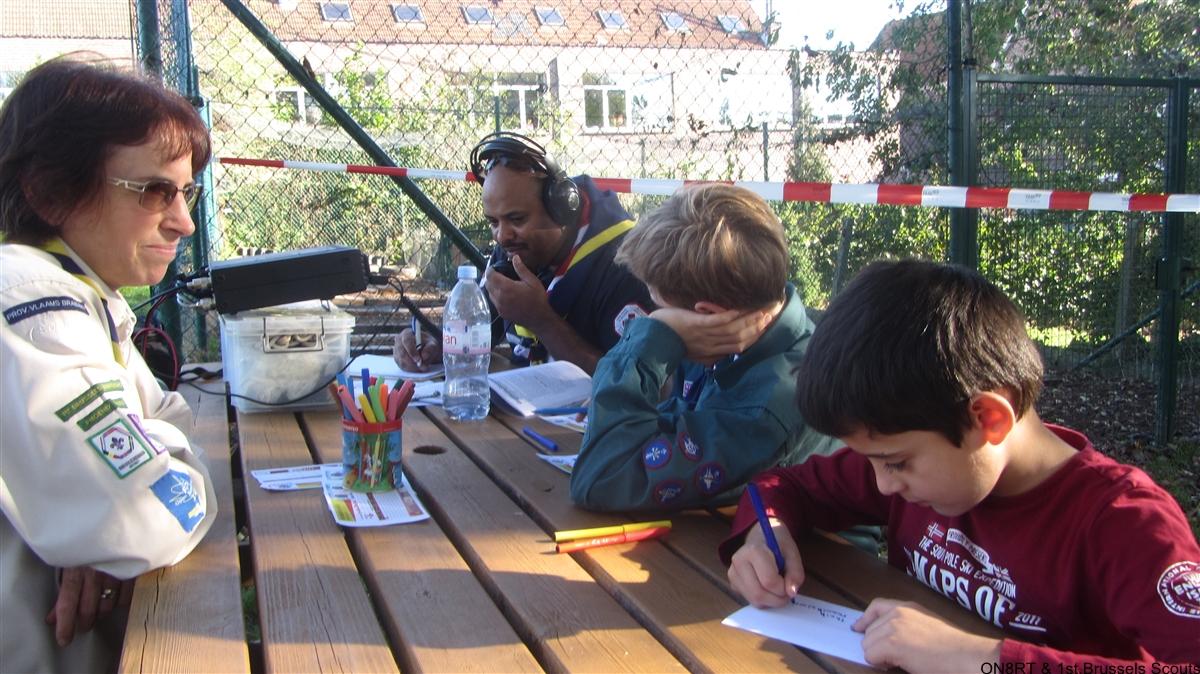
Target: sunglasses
{"x": 158, "y": 195}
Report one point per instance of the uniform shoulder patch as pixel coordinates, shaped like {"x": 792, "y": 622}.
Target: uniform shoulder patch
{"x": 656, "y": 454}
{"x": 667, "y": 491}
{"x": 1179, "y": 588}
{"x": 626, "y": 315}
{"x": 20, "y": 312}
{"x": 177, "y": 492}
{"x": 710, "y": 478}
{"x": 121, "y": 447}
{"x": 688, "y": 447}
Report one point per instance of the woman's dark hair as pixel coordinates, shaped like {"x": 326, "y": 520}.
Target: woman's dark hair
{"x": 907, "y": 344}
{"x": 58, "y": 128}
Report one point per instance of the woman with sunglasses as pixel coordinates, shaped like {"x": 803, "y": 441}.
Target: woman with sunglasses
{"x": 98, "y": 482}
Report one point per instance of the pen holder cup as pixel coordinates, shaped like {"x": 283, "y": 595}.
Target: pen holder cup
{"x": 371, "y": 455}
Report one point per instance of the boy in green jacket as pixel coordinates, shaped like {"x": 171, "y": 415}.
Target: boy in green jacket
{"x": 731, "y": 330}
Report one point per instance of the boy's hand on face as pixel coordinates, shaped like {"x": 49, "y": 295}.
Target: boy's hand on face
{"x": 408, "y": 356}
{"x": 523, "y": 302}
{"x": 753, "y": 573}
{"x": 902, "y": 634}
{"x": 710, "y": 337}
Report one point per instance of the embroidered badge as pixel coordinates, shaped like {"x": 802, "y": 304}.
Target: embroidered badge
{"x": 121, "y": 447}
{"x": 81, "y": 401}
{"x": 625, "y": 316}
{"x": 137, "y": 423}
{"x": 20, "y": 312}
{"x": 667, "y": 491}
{"x": 710, "y": 477}
{"x": 656, "y": 454}
{"x": 688, "y": 447}
{"x": 1179, "y": 588}
{"x": 178, "y": 494}
{"x": 109, "y": 406}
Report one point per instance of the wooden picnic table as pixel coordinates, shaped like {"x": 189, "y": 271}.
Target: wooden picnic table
{"x": 478, "y": 586}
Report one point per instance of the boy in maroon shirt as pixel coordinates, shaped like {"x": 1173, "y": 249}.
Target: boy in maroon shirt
{"x": 926, "y": 372}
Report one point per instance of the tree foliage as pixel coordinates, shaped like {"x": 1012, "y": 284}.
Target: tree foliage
{"x": 1068, "y": 270}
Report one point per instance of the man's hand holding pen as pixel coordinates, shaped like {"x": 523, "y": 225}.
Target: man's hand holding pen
{"x": 417, "y": 356}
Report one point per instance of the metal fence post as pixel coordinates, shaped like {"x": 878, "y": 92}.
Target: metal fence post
{"x": 964, "y": 240}
{"x": 1170, "y": 267}
{"x": 150, "y": 48}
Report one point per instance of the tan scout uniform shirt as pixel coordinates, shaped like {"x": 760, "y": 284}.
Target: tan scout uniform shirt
{"x": 94, "y": 467}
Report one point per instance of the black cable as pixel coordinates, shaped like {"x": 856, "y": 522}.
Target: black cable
{"x": 153, "y": 298}
{"x": 416, "y": 312}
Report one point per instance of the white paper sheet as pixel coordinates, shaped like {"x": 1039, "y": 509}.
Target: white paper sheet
{"x": 565, "y": 421}
{"x": 808, "y": 622}
{"x": 373, "y": 509}
{"x": 564, "y": 463}
{"x": 386, "y": 367}
{"x": 559, "y": 383}
{"x": 308, "y": 476}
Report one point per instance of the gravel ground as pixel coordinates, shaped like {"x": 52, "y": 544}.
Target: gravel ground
{"x": 1118, "y": 415}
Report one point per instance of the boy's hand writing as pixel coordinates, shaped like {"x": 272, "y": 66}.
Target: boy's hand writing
{"x": 710, "y": 337}
{"x": 523, "y": 302}
{"x": 753, "y": 573}
{"x": 902, "y": 634}
{"x": 408, "y": 356}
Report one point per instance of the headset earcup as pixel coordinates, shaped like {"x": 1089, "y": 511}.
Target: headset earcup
{"x": 562, "y": 201}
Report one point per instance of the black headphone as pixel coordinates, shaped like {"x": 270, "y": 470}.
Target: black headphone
{"x": 560, "y": 194}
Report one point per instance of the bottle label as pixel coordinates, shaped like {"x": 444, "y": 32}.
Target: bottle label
{"x": 460, "y": 339}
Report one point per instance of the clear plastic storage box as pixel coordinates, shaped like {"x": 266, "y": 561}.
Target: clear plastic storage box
{"x": 278, "y": 354}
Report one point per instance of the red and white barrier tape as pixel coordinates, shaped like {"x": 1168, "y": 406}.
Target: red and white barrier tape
{"x": 832, "y": 193}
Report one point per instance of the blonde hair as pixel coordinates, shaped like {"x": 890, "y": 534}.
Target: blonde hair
{"x": 713, "y": 243}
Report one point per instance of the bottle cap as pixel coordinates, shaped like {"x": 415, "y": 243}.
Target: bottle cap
{"x": 468, "y": 271}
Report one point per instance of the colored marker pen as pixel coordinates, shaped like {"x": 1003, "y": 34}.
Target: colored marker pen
{"x": 541, "y": 439}
{"x": 761, "y": 512}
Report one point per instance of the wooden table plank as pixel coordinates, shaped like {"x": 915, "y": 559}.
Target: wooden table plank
{"x": 433, "y": 606}
{"x": 188, "y": 618}
{"x": 674, "y": 597}
{"x": 568, "y": 621}
{"x": 313, "y": 609}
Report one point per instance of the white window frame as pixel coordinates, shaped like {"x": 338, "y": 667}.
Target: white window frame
{"x": 681, "y": 24}
{"x": 419, "y": 18}
{"x": 326, "y": 5}
{"x": 303, "y": 97}
{"x": 486, "y": 19}
{"x": 550, "y": 17}
{"x": 629, "y": 86}
{"x": 523, "y": 104}
{"x": 731, "y": 24}
{"x": 612, "y": 19}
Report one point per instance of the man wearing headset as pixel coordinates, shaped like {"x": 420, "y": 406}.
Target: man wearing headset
{"x": 551, "y": 276}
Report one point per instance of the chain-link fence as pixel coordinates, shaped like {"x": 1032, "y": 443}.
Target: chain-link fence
{"x": 674, "y": 89}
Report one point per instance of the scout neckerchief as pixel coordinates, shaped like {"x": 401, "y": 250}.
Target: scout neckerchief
{"x": 58, "y": 250}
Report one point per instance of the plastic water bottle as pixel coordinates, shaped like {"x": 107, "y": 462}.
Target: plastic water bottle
{"x": 466, "y": 349}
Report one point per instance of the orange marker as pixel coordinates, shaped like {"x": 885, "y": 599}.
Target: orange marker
{"x": 629, "y": 537}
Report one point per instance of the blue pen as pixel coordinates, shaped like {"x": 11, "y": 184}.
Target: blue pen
{"x": 366, "y": 382}
{"x": 766, "y": 526}
{"x": 541, "y": 439}
{"x": 553, "y": 411}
